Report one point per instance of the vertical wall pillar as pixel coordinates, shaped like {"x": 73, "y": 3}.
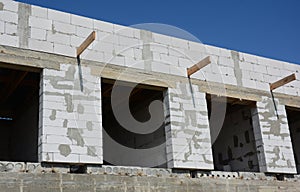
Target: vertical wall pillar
{"x": 70, "y": 128}
{"x": 187, "y": 129}
{"x": 272, "y": 135}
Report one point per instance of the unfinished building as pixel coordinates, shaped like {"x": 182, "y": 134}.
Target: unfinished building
{"x": 130, "y": 97}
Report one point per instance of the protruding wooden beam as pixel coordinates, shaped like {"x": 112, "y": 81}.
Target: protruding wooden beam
{"x": 86, "y": 43}
{"x": 282, "y": 82}
{"x": 198, "y": 66}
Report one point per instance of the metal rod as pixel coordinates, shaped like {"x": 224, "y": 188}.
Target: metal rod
{"x": 80, "y": 73}
{"x": 276, "y": 112}
{"x": 192, "y": 92}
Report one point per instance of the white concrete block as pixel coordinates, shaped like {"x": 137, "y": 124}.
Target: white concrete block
{"x": 39, "y": 11}
{"x": 212, "y": 50}
{"x": 260, "y": 69}
{"x": 159, "y": 48}
{"x": 36, "y": 33}
{"x": 246, "y": 66}
{"x": 249, "y": 83}
{"x": 181, "y": 43}
{"x": 11, "y": 29}
{"x": 160, "y": 67}
{"x": 183, "y": 62}
{"x": 58, "y": 139}
{"x": 103, "y": 26}
{"x": 9, "y": 40}
{"x": 59, "y": 16}
{"x": 129, "y": 42}
{"x": 58, "y": 38}
{"x": 40, "y": 23}
{"x": 71, "y": 158}
{"x": 64, "y": 49}
{"x": 169, "y": 59}
{"x": 11, "y": 6}
{"x": 1, "y": 26}
{"x": 274, "y": 71}
{"x": 83, "y": 31}
{"x": 8, "y": 16}
{"x": 82, "y": 21}
{"x": 161, "y": 39}
{"x": 64, "y": 27}
{"x": 226, "y": 62}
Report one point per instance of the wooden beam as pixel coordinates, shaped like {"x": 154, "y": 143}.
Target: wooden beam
{"x": 198, "y": 66}
{"x": 86, "y": 43}
{"x": 282, "y": 82}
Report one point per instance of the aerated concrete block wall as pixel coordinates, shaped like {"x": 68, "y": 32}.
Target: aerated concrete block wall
{"x": 273, "y": 138}
{"x": 188, "y": 134}
{"x": 35, "y": 28}
{"x": 70, "y": 120}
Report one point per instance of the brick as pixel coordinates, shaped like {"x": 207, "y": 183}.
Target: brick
{"x": 39, "y": 34}
{"x": 64, "y": 27}
{"x": 9, "y": 17}
{"x": 82, "y": 21}
{"x": 9, "y": 40}
{"x": 40, "y": 23}
{"x": 39, "y": 12}
{"x": 40, "y": 45}
{"x": 59, "y": 16}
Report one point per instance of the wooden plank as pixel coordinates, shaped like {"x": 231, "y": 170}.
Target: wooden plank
{"x": 198, "y": 66}
{"x": 86, "y": 43}
{"x": 282, "y": 82}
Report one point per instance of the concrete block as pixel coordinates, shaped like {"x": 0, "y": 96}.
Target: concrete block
{"x": 181, "y": 43}
{"x": 64, "y": 50}
{"x": 274, "y": 71}
{"x": 103, "y": 26}
{"x": 11, "y": 29}
{"x": 9, "y": 40}
{"x": 9, "y": 17}
{"x": 40, "y": 23}
{"x": 71, "y": 158}
{"x": 39, "y": 12}
{"x": 40, "y": 45}
{"x": 249, "y": 83}
{"x": 1, "y": 26}
{"x": 260, "y": 69}
{"x": 82, "y": 21}
{"x": 90, "y": 159}
{"x": 226, "y": 62}
{"x": 129, "y": 42}
{"x": 11, "y": 6}
{"x": 58, "y": 38}
{"x": 12, "y": 166}
{"x": 59, "y": 16}
{"x": 63, "y": 27}
{"x": 58, "y": 139}
{"x": 83, "y": 31}
{"x": 246, "y": 66}
{"x": 39, "y": 34}
{"x": 184, "y": 62}
{"x": 161, "y": 39}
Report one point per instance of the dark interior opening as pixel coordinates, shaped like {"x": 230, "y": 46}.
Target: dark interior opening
{"x": 234, "y": 147}
{"x": 19, "y": 114}
{"x": 134, "y": 144}
{"x": 293, "y": 115}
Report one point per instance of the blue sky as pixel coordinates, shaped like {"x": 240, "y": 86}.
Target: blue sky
{"x": 269, "y": 28}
